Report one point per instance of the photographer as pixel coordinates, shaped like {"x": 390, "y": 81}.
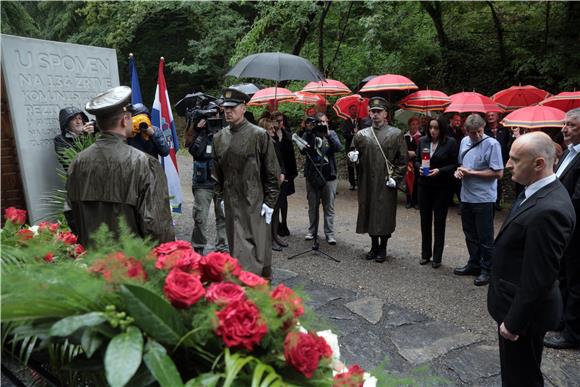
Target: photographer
{"x": 146, "y": 137}
{"x": 199, "y": 142}
{"x": 73, "y": 124}
{"x": 320, "y": 172}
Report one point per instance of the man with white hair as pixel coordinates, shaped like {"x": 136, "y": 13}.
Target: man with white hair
{"x": 523, "y": 295}
{"x": 568, "y": 171}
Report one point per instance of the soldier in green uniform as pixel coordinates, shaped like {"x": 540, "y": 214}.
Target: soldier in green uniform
{"x": 381, "y": 154}
{"x": 246, "y": 171}
{"x": 111, "y": 179}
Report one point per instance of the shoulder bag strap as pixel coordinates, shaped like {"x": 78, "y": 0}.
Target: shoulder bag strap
{"x": 471, "y": 147}
{"x": 390, "y": 165}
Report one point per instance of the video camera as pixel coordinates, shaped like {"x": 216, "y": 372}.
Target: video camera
{"x": 318, "y": 128}
{"x": 197, "y": 106}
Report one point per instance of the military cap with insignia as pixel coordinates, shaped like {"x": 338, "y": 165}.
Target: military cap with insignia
{"x": 378, "y": 103}
{"x": 115, "y": 100}
{"x": 233, "y": 97}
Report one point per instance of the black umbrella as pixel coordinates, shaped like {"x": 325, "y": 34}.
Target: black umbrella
{"x": 276, "y": 66}
{"x": 247, "y": 88}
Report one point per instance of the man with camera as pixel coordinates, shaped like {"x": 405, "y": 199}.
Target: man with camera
{"x": 146, "y": 137}
{"x": 246, "y": 171}
{"x": 202, "y": 126}
{"x": 320, "y": 172}
{"x": 381, "y": 154}
{"x": 74, "y": 124}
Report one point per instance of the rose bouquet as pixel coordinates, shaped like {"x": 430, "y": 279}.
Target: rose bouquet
{"x": 129, "y": 313}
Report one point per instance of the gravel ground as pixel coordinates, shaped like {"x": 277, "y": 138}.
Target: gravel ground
{"x": 437, "y": 293}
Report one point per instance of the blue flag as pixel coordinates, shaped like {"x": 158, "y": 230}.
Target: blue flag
{"x": 135, "y": 87}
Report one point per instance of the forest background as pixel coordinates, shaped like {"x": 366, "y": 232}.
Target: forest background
{"x": 448, "y": 46}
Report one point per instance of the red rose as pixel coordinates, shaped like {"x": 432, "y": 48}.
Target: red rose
{"x": 117, "y": 267}
{"x": 216, "y": 265}
{"x": 78, "y": 250}
{"x": 223, "y": 293}
{"x": 354, "y": 377}
{"x": 170, "y": 247}
{"x": 15, "y": 215}
{"x": 182, "y": 289}
{"x": 67, "y": 237}
{"x": 49, "y": 257}
{"x": 135, "y": 269}
{"x": 252, "y": 280}
{"x": 170, "y": 253}
{"x": 240, "y": 325}
{"x": 286, "y": 301}
{"x": 189, "y": 262}
{"x": 303, "y": 351}
{"x": 24, "y": 234}
{"x": 52, "y": 227}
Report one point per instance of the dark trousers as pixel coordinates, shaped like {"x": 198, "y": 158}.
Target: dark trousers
{"x": 477, "y": 222}
{"x": 570, "y": 288}
{"x": 433, "y": 203}
{"x": 520, "y": 361}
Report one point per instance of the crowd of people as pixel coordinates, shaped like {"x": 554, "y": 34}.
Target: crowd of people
{"x": 248, "y": 171}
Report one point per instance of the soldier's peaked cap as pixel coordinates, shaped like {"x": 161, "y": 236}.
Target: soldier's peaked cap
{"x": 234, "y": 97}
{"x": 378, "y": 103}
{"x": 112, "y": 101}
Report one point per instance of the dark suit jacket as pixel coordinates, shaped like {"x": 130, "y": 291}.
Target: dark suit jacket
{"x": 527, "y": 251}
{"x": 347, "y": 128}
{"x": 570, "y": 178}
{"x": 444, "y": 158}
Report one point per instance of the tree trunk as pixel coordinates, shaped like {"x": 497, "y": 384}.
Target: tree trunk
{"x": 328, "y": 70}
{"x": 433, "y": 8}
{"x": 499, "y": 31}
{"x": 327, "y": 5}
{"x": 303, "y": 32}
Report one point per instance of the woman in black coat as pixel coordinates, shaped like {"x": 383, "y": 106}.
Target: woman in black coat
{"x": 435, "y": 187}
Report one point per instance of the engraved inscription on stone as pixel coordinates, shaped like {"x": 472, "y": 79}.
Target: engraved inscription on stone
{"x": 41, "y": 78}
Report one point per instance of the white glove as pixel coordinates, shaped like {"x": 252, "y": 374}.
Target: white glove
{"x": 223, "y": 207}
{"x": 267, "y": 213}
{"x": 353, "y": 156}
{"x": 391, "y": 183}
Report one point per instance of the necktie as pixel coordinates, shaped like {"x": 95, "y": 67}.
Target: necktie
{"x": 518, "y": 202}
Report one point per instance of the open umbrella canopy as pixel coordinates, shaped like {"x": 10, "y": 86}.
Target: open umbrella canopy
{"x": 276, "y": 66}
{"x": 247, "y": 88}
{"x": 329, "y": 87}
{"x": 305, "y": 98}
{"x": 342, "y": 106}
{"x": 535, "y": 117}
{"x": 388, "y": 82}
{"x": 470, "y": 102}
{"x": 565, "y": 101}
{"x": 271, "y": 94}
{"x": 517, "y": 97}
{"x": 425, "y": 100}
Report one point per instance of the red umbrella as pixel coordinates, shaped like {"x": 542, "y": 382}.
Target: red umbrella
{"x": 308, "y": 98}
{"x": 388, "y": 82}
{"x": 535, "y": 117}
{"x": 343, "y": 104}
{"x": 425, "y": 100}
{"x": 468, "y": 102}
{"x": 328, "y": 87}
{"x": 266, "y": 96}
{"x": 519, "y": 96}
{"x": 565, "y": 101}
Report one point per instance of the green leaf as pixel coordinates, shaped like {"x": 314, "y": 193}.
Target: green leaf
{"x": 91, "y": 341}
{"x": 161, "y": 365}
{"x": 208, "y": 379}
{"x": 68, "y": 325}
{"x": 123, "y": 357}
{"x": 153, "y": 314}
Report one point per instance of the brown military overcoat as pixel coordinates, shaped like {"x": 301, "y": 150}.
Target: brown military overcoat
{"x": 377, "y": 203}
{"x": 246, "y": 172}
{"x": 110, "y": 179}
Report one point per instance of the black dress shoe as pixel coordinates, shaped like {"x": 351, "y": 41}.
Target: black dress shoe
{"x": 279, "y": 241}
{"x": 275, "y": 247}
{"x": 371, "y": 254}
{"x": 381, "y": 255}
{"x": 467, "y": 270}
{"x": 436, "y": 265}
{"x": 481, "y": 280}
{"x": 560, "y": 342}
{"x": 424, "y": 261}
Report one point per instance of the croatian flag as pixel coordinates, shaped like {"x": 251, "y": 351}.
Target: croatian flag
{"x": 135, "y": 87}
{"x": 162, "y": 117}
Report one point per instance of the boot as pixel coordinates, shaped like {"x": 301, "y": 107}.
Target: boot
{"x": 381, "y": 255}
{"x": 375, "y": 247}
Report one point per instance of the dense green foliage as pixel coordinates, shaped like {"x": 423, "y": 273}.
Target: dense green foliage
{"x": 451, "y": 46}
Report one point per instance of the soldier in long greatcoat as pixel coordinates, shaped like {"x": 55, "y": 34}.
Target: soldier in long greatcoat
{"x": 378, "y": 178}
{"x": 246, "y": 171}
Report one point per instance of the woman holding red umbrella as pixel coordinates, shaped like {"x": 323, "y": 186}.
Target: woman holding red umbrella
{"x": 435, "y": 187}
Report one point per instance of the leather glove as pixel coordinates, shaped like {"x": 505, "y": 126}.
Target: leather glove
{"x": 267, "y": 213}
{"x": 391, "y": 183}
{"x": 353, "y": 156}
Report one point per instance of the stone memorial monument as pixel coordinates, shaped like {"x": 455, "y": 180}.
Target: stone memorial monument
{"x": 42, "y": 77}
